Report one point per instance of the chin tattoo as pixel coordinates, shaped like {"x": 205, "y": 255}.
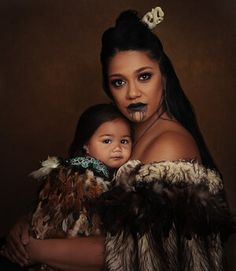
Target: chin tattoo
{"x": 137, "y": 116}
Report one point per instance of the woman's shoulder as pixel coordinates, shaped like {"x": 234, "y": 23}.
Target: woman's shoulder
{"x": 171, "y": 144}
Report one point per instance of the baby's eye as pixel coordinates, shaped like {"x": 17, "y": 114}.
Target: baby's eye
{"x": 145, "y": 76}
{"x": 124, "y": 141}
{"x": 117, "y": 83}
{"x": 107, "y": 141}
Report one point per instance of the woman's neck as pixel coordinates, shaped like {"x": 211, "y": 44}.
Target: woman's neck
{"x": 143, "y": 128}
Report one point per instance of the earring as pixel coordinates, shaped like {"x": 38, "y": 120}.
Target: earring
{"x": 86, "y": 149}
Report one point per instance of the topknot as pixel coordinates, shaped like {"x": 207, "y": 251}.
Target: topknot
{"x": 129, "y": 18}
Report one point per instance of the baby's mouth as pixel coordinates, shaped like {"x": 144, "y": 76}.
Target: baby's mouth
{"x": 136, "y": 107}
{"x": 116, "y": 157}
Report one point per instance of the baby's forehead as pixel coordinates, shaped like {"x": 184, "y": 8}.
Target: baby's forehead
{"x": 119, "y": 121}
{"x": 116, "y": 126}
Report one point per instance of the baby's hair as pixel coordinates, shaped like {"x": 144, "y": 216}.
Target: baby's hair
{"x": 88, "y": 123}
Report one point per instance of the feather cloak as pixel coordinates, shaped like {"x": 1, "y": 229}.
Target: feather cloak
{"x": 66, "y": 202}
{"x": 165, "y": 216}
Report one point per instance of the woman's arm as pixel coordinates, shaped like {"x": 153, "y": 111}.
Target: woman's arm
{"x": 78, "y": 254}
{"x": 84, "y": 253}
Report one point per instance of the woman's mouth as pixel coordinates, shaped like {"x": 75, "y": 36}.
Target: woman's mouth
{"x": 136, "y": 107}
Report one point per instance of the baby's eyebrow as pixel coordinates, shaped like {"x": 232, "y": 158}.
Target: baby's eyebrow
{"x": 106, "y": 135}
{"x": 113, "y": 135}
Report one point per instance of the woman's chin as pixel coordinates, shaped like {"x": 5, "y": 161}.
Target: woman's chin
{"x": 136, "y": 117}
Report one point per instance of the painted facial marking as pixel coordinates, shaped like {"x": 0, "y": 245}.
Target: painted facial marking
{"x": 137, "y": 112}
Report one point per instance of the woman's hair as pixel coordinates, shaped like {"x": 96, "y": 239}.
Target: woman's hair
{"x": 88, "y": 123}
{"x": 130, "y": 33}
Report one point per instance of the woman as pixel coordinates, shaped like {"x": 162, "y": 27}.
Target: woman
{"x": 139, "y": 77}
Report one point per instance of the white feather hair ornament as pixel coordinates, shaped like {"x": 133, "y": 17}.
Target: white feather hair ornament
{"x": 47, "y": 166}
{"x": 153, "y": 17}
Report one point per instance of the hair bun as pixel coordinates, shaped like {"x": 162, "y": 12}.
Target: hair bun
{"x": 128, "y": 17}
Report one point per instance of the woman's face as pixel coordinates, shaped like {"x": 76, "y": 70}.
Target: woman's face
{"x": 136, "y": 84}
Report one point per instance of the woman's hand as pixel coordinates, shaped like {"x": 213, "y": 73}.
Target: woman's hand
{"x": 16, "y": 240}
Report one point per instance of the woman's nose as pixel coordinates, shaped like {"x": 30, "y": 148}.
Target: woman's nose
{"x": 133, "y": 90}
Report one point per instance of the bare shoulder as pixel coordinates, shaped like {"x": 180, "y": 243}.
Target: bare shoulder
{"x": 171, "y": 145}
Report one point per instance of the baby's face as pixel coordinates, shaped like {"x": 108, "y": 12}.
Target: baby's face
{"x": 111, "y": 143}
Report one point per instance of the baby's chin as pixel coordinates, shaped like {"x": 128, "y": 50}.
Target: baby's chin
{"x": 116, "y": 165}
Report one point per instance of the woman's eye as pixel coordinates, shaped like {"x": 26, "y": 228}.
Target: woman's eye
{"x": 106, "y": 141}
{"x": 145, "y": 76}
{"x": 117, "y": 83}
{"x": 124, "y": 141}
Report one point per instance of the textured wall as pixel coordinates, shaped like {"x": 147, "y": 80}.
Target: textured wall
{"x": 50, "y": 71}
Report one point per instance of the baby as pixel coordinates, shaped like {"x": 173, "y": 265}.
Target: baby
{"x": 70, "y": 187}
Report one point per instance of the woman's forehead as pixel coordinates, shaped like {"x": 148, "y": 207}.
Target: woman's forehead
{"x": 135, "y": 60}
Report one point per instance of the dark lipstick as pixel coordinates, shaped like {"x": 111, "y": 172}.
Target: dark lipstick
{"x": 136, "y": 107}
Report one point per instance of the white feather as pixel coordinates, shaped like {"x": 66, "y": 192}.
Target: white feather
{"x": 47, "y": 166}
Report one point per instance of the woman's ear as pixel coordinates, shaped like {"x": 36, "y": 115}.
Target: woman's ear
{"x": 86, "y": 149}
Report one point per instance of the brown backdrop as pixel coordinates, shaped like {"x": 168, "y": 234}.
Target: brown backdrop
{"x": 50, "y": 71}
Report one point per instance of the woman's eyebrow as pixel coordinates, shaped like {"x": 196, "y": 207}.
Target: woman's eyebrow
{"x": 115, "y": 75}
{"x": 136, "y": 71}
{"x": 143, "y": 68}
